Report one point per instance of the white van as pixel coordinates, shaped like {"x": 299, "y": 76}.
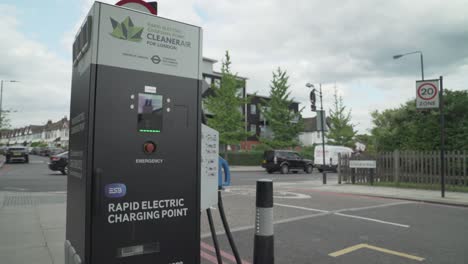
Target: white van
{"x": 331, "y": 156}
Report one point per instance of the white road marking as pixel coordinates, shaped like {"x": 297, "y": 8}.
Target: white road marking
{"x": 291, "y": 195}
{"x": 292, "y": 219}
{"x": 14, "y": 189}
{"x": 322, "y": 213}
{"x": 372, "y": 207}
{"x": 302, "y": 208}
{"x": 249, "y": 191}
{"x": 338, "y": 212}
{"x": 243, "y": 228}
{"x": 372, "y": 220}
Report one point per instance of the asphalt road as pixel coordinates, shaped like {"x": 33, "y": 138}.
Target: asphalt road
{"x": 311, "y": 225}
{"x": 36, "y": 177}
{"x": 250, "y": 178}
{"x": 32, "y": 177}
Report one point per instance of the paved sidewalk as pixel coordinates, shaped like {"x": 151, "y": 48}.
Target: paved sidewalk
{"x": 451, "y": 198}
{"x": 32, "y": 227}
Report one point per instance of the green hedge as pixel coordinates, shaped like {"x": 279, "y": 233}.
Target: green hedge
{"x": 255, "y": 158}
{"x": 244, "y": 158}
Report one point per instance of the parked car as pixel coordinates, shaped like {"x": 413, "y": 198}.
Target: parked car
{"x": 59, "y": 162}
{"x": 35, "y": 150}
{"x": 55, "y": 151}
{"x": 3, "y": 150}
{"x": 331, "y": 157}
{"x": 44, "y": 151}
{"x": 48, "y": 151}
{"x": 16, "y": 153}
{"x": 285, "y": 161}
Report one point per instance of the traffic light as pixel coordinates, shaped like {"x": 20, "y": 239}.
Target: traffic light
{"x": 312, "y": 100}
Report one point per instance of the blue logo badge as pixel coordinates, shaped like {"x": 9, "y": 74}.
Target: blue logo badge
{"x": 115, "y": 190}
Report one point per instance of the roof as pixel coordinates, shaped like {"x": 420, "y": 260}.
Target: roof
{"x": 36, "y": 129}
{"x": 237, "y": 76}
{"x": 210, "y": 60}
{"x": 56, "y": 125}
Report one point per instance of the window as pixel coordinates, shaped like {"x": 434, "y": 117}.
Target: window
{"x": 217, "y": 83}
{"x": 208, "y": 80}
{"x": 240, "y": 92}
{"x": 253, "y": 128}
{"x": 253, "y": 109}
{"x": 296, "y": 156}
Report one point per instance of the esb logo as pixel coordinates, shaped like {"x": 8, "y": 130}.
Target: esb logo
{"x": 115, "y": 190}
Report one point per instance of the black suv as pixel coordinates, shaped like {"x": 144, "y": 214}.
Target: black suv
{"x": 285, "y": 161}
{"x": 16, "y": 153}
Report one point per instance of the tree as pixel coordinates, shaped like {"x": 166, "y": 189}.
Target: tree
{"x": 341, "y": 129}
{"x": 284, "y": 123}
{"x": 224, "y": 104}
{"x": 4, "y": 119}
{"x": 406, "y": 128}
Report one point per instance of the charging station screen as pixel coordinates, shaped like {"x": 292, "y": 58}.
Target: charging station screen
{"x": 150, "y": 111}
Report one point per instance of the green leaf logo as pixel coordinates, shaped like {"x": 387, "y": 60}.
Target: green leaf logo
{"x": 126, "y": 30}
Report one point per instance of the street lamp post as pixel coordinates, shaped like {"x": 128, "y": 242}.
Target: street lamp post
{"x": 309, "y": 85}
{"x": 1, "y": 99}
{"x": 414, "y": 52}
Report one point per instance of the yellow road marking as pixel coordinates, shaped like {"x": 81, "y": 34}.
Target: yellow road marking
{"x": 384, "y": 250}
{"x": 346, "y": 250}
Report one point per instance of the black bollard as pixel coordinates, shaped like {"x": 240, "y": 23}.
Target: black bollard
{"x": 264, "y": 239}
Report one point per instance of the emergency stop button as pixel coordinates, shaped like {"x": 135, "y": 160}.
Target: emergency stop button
{"x": 149, "y": 147}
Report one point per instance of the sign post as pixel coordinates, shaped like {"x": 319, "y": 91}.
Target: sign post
{"x": 427, "y": 94}
{"x": 442, "y": 139}
{"x": 363, "y": 164}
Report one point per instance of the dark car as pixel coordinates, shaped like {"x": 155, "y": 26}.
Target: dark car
{"x": 285, "y": 161}
{"x": 44, "y": 151}
{"x": 16, "y": 153}
{"x": 59, "y": 162}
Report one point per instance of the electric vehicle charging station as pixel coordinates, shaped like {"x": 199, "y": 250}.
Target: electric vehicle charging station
{"x": 135, "y": 150}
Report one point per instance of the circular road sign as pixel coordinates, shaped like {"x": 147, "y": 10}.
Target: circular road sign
{"x": 427, "y": 91}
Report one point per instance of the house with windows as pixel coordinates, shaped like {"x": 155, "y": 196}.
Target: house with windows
{"x": 212, "y": 79}
{"x": 257, "y": 123}
{"x": 254, "y": 121}
{"x": 55, "y": 134}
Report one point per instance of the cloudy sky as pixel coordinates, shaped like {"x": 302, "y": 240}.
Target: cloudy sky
{"x": 344, "y": 44}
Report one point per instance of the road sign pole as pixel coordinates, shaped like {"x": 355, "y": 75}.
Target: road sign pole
{"x": 322, "y": 117}
{"x": 442, "y": 138}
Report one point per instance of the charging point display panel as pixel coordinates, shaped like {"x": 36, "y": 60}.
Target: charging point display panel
{"x": 150, "y": 113}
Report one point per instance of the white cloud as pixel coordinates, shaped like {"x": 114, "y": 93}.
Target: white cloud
{"x": 43, "y": 90}
{"x": 343, "y": 42}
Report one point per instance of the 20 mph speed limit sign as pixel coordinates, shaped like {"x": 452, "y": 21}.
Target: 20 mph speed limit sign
{"x": 427, "y": 94}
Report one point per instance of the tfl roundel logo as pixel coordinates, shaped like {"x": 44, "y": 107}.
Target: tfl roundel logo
{"x": 115, "y": 190}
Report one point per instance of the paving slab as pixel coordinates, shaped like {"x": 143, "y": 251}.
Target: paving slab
{"x": 36, "y": 255}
